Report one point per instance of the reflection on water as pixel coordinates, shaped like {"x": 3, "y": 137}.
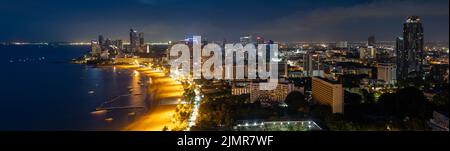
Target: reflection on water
{"x": 56, "y": 95}
{"x": 124, "y": 108}
{"x": 144, "y": 106}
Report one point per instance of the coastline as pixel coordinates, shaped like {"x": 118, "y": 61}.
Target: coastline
{"x": 163, "y": 93}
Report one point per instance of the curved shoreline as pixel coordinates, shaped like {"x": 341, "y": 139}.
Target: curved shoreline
{"x": 164, "y": 93}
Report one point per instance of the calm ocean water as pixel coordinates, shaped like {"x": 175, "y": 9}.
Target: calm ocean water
{"x": 41, "y": 90}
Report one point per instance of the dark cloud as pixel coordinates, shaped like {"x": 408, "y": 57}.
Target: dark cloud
{"x": 383, "y": 18}
{"x": 162, "y": 20}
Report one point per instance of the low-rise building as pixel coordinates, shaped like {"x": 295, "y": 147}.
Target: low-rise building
{"x": 279, "y": 94}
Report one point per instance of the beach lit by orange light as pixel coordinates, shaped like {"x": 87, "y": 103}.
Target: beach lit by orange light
{"x": 155, "y": 121}
{"x": 168, "y": 90}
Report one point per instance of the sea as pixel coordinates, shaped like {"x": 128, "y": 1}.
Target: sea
{"x": 42, "y": 91}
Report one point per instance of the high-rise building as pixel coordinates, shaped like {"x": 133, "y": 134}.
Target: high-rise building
{"x": 410, "y": 55}
{"x": 308, "y": 64}
{"x": 101, "y": 40}
{"x": 142, "y": 47}
{"x": 134, "y": 41}
{"x": 371, "y": 41}
{"x": 328, "y": 93}
{"x": 95, "y": 48}
{"x": 399, "y": 47}
{"x": 141, "y": 39}
{"x": 311, "y": 65}
{"x": 387, "y": 73}
{"x": 118, "y": 44}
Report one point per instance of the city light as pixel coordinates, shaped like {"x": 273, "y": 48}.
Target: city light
{"x": 225, "y": 75}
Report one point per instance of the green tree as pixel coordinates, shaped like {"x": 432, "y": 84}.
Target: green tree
{"x": 352, "y": 98}
{"x": 368, "y": 96}
{"x": 296, "y": 103}
{"x": 411, "y": 101}
{"x": 387, "y": 102}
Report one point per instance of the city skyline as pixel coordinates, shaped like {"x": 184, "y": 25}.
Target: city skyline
{"x": 239, "y": 73}
{"x": 169, "y": 20}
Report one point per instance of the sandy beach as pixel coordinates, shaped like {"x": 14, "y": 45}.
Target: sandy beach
{"x": 164, "y": 93}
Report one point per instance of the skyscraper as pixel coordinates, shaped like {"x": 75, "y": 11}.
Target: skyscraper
{"x": 371, "y": 41}
{"x": 311, "y": 64}
{"x": 141, "y": 38}
{"x": 95, "y": 48}
{"x": 134, "y": 41}
{"x": 101, "y": 40}
{"x": 399, "y": 47}
{"x": 410, "y": 55}
{"x": 142, "y": 47}
{"x": 308, "y": 64}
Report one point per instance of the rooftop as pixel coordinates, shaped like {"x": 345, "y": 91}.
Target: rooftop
{"x": 328, "y": 80}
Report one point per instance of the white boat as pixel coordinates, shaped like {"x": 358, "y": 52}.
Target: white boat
{"x": 91, "y": 92}
{"x": 109, "y": 119}
{"x": 99, "y": 112}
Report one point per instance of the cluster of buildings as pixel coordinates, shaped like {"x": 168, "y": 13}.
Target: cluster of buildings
{"x": 374, "y": 65}
{"x": 414, "y": 60}
{"x": 371, "y": 63}
{"x": 106, "y": 49}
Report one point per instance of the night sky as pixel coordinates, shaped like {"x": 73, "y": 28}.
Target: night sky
{"x": 163, "y": 20}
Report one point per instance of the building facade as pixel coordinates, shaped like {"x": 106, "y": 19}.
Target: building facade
{"x": 328, "y": 93}
{"x": 409, "y": 51}
{"x": 277, "y": 95}
{"x": 133, "y": 41}
{"x": 366, "y": 53}
{"x": 387, "y": 73}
